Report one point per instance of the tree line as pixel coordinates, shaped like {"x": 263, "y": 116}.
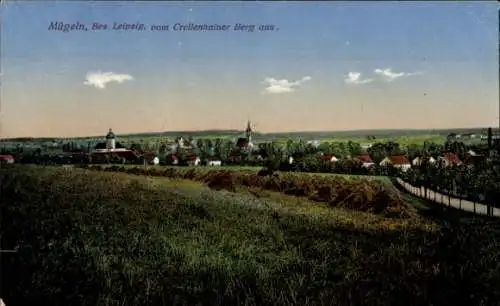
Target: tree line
{"x": 478, "y": 184}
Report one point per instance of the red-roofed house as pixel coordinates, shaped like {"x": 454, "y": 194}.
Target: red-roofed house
{"x": 398, "y": 161}
{"x": 151, "y": 158}
{"x": 6, "y": 159}
{"x": 419, "y": 160}
{"x": 450, "y": 159}
{"x": 329, "y": 158}
{"x": 172, "y": 159}
{"x": 365, "y": 160}
{"x": 193, "y": 160}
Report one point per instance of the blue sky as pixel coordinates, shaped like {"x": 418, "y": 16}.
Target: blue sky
{"x": 446, "y": 55}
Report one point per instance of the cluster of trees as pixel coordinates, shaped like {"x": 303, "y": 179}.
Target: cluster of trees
{"x": 480, "y": 184}
{"x": 300, "y": 150}
{"x": 34, "y": 157}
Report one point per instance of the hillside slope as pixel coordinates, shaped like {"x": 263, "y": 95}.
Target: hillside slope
{"x": 93, "y": 238}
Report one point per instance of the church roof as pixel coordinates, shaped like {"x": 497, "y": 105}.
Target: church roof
{"x": 102, "y": 145}
{"x": 242, "y": 142}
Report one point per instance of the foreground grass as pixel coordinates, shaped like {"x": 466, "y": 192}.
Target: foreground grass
{"x": 93, "y": 238}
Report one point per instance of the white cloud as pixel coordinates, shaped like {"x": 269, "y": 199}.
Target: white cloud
{"x": 101, "y": 79}
{"x": 275, "y": 86}
{"x": 354, "y": 78}
{"x": 390, "y": 75}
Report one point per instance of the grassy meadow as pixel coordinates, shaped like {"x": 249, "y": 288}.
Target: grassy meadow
{"x": 117, "y": 238}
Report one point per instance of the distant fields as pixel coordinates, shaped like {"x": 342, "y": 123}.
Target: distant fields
{"x": 402, "y": 140}
{"x": 109, "y": 238}
{"x": 403, "y": 137}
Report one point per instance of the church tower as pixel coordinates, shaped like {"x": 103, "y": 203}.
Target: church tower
{"x": 110, "y": 140}
{"x": 248, "y": 132}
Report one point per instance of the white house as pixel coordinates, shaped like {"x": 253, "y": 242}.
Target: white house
{"x": 471, "y": 153}
{"x": 214, "y": 162}
{"x": 365, "y": 159}
{"x": 399, "y": 161}
{"x": 7, "y": 159}
{"x": 329, "y": 158}
{"x": 172, "y": 159}
{"x": 313, "y": 143}
{"x": 194, "y": 161}
{"x": 417, "y": 161}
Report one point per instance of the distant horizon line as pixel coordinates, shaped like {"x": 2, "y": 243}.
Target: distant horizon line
{"x": 231, "y": 131}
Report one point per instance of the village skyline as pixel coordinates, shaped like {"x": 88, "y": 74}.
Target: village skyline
{"x": 343, "y": 67}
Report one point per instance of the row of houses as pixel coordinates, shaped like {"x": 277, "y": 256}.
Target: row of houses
{"x": 193, "y": 160}
{"x": 111, "y": 146}
{"x": 472, "y": 136}
{"x": 401, "y": 161}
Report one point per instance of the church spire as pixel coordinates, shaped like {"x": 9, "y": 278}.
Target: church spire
{"x": 248, "y": 131}
{"x": 249, "y": 127}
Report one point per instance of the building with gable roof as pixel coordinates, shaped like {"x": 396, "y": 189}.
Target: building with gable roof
{"x": 397, "y": 161}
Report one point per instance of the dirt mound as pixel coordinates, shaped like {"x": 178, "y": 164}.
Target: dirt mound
{"x": 220, "y": 181}
{"x": 363, "y": 197}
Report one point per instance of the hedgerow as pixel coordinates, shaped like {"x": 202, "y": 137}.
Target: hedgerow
{"x": 359, "y": 194}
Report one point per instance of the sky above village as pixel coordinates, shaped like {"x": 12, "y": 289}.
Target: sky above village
{"x": 325, "y": 66}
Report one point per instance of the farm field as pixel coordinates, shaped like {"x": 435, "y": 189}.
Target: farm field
{"x": 108, "y": 238}
{"x": 349, "y": 191}
{"x": 421, "y": 205}
{"x": 255, "y": 169}
{"x": 403, "y": 137}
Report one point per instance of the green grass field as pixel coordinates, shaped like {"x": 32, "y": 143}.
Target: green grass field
{"x": 410, "y": 200}
{"x": 106, "y": 238}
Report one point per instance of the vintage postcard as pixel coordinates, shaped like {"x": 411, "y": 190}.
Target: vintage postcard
{"x": 249, "y": 153}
